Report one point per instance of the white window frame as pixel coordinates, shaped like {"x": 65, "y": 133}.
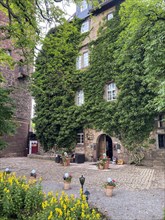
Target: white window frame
{"x": 80, "y": 98}
{"x": 85, "y": 59}
{"x": 110, "y": 16}
{"x": 83, "y": 5}
{"x": 78, "y": 63}
{"x": 81, "y": 138}
{"x": 85, "y": 26}
{"x": 111, "y": 91}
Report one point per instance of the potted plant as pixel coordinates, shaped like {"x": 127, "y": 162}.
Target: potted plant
{"x": 109, "y": 186}
{"x": 65, "y": 159}
{"x": 103, "y": 162}
{"x": 67, "y": 180}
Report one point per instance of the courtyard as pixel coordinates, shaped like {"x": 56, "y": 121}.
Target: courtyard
{"x": 140, "y": 191}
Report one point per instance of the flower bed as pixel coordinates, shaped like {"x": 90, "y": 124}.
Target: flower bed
{"x": 22, "y": 199}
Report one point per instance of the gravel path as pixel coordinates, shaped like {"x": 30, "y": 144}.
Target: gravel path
{"x": 139, "y": 195}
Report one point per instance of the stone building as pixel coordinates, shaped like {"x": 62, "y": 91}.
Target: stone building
{"x": 94, "y": 143}
{"x": 18, "y": 80}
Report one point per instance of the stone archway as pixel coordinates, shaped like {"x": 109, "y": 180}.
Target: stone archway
{"x": 104, "y": 145}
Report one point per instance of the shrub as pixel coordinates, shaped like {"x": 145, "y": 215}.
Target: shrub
{"x": 24, "y": 200}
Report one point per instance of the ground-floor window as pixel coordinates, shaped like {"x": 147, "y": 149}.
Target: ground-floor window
{"x": 80, "y": 138}
{"x": 161, "y": 141}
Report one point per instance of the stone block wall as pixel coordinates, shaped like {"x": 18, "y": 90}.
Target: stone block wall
{"x": 19, "y": 84}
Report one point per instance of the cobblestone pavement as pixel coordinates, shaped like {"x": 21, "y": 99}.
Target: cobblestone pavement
{"x": 140, "y": 191}
{"x": 127, "y": 177}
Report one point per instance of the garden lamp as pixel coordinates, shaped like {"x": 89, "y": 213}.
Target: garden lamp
{"x": 7, "y": 171}
{"x": 87, "y": 193}
{"x": 33, "y": 173}
{"x": 82, "y": 181}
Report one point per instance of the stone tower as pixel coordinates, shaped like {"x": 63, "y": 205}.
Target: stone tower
{"x": 18, "y": 80}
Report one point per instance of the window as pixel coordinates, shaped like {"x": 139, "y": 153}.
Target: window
{"x": 111, "y": 91}
{"x": 110, "y": 16}
{"x": 85, "y": 27}
{"x": 85, "y": 59}
{"x": 78, "y": 63}
{"x": 83, "y": 5}
{"x": 80, "y": 98}
{"x": 80, "y": 138}
{"x": 82, "y": 61}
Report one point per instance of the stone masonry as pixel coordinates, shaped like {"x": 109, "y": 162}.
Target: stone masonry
{"x": 16, "y": 79}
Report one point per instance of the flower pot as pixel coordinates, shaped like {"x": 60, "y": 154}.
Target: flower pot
{"x": 109, "y": 190}
{"x": 66, "y": 185}
{"x": 101, "y": 167}
{"x": 67, "y": 162}
{"x": 106, "y": 165}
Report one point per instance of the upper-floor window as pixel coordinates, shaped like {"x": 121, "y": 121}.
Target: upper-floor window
{"x": 85, "y": 26}
{"x": 82, "y": 61}
{"x": 110, "y": 16}
{"x": 85, "y": 59}
{"x": 83, "y": 5}
{"x": 80, "y": 97}
{"x": 78, "y": 62}
{"x": 111, "y": 91}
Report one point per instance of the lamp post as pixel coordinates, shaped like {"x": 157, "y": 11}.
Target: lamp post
{"x": 82, "y": 181}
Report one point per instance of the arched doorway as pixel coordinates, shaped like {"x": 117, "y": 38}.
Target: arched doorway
{"x": 104, "y": 146}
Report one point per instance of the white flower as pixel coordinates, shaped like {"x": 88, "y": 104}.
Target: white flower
{"x": 109, "y": 180}
{"x": 66, "y": 175}
{"x": 65, "y": 154}
{"x": 7, "y": 169}
{"x": 104, "y": 155}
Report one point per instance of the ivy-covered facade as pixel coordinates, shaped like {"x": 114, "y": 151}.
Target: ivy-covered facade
{"x": 94, "y": 92}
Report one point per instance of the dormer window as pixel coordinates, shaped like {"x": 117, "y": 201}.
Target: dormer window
{"x": 111, "y": 91}
{"x": 85, "y": 26}
{"x": 110, "y": 16}
{"x": 80, "y": 98}
{"x": 83, "y": 5}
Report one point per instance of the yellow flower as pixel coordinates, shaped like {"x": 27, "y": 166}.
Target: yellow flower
{"x": 50, "y": 193}
{"x": 97, "y": 216}
{"x": 58, "y": 211}
{"x": 50, "y": 215}
{"x": 45, "y": 204}
{"x": 6, "y": 190}
{"x": 82, "y": 215}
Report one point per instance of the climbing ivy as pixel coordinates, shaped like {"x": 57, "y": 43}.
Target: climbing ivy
{"x": 124, "y": 53}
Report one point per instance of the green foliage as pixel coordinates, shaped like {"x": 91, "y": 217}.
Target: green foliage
{"x": 53, "y": 88}
{"x": 7, "y": 125}
{"x": 21, "y": 199}
{"x": 128, "y": 51}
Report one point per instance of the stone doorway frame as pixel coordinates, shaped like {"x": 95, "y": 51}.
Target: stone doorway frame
{"x": 101, "y": 146}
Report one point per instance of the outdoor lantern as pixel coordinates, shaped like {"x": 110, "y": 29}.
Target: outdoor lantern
{"x": 87, "y": 193}
{"x": 33, "y": 173}
{"x": 7, "y": 170}
{"x": 82, "y": 181}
